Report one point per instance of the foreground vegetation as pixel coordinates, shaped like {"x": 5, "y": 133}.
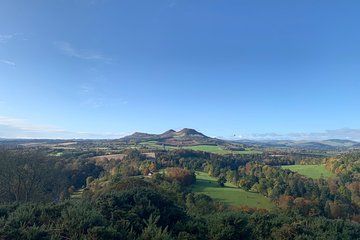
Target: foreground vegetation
{"x": 311, "y": 171}
{"x": 229, "y": 194}
{"x": 138, "y": 209}
{"x": 82, "y": 194}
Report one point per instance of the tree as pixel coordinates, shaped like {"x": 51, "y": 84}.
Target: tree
{"x": 183, "y": 176}
{"x": 221, "y": 181}
{"x": 153, "y": 232}
{"x": 29, "y": 176}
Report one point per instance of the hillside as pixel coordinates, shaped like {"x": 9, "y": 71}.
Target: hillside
{"x": 184, "y": 137}
{"x": 324, "y": 145}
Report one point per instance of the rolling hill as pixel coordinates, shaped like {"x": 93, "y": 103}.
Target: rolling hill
{"x": 184, "y": 137}
{"x": 325, "y": 145}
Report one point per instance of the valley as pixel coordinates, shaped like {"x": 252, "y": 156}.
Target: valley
{"x": 195, "y": 177}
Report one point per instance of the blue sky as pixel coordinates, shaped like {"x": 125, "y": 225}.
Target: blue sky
{"x": 101, "y": 68}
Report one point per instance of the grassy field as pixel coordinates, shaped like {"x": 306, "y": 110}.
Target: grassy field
{"x": 77, "y": 194}
{"x": 229, "y": 194}
{"x": 155, "y": 145}
{"x": 206, "y": 148}
{"x": 311, "y": 171}
{"x": 57, "y": 154}
{"x": 219, "y": 150}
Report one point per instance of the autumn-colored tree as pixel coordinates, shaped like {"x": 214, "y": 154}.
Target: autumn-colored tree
{"x": 181, "y": 175}
{"x": 285, "y": 202}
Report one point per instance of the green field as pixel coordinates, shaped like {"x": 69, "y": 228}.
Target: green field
{"x": 56, "y": 154}
{"x": 77, "y": 194}
{"x": 155, "y": 145}
{"x": 230, "y": 194}
{"x": 219, "y": 150}
{"x": 311, "y": 171}
{"x": 205, "y": 148}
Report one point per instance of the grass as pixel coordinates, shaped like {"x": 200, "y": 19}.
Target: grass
{"x": 77, "y": 194}
{"x": 155, "y": 145}
{"x": 230, "y": 194}
{"x": 311, "y": 171}
{"x": 219, "y": 150}
{"x": 205, "y": 148}
{"x": 57, "y": 154}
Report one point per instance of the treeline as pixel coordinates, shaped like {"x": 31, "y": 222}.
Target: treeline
{"x": 277, "y": 158}
{"x": 151, "y": 209}
{"x": 347, "y": 167}
{"x": 125, "y": 205}
{"x": 291, "y": 191}
{"x": 32, "y": 175}
{"x": 294, "y": 192}
{"x": 272, "y": 158}
{"x": 332, "y": 198}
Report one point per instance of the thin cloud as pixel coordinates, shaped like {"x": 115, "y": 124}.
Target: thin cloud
{"x": 7, "y": 62}
{"x": 343, "y": 133}
{"x": 93, "y": 102}
{"x": 85, "y": 54}
{"x": 4, "y": 38}
{"x": 86, "y": 89}
{"x": 100, "y": 102}
{"x": 23, "y": 124}
{"x": 94, "y": 96}
{"x": 22, "y": 128}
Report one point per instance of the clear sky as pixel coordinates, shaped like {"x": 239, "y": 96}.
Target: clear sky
{"x": 102, "y": 68}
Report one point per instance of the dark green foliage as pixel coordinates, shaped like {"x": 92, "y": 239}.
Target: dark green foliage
{"x": 228, "y": 226}
{"x": 136, "y": 204}
{"x": 281, "y": 226}
{"x": 157, "y": 207}
{"x": 153, "y": 232}
{"x": 79, "y": 218}
{"x": 120, "y": 214}
{"x": 221, "y": 181}
{"x": 199, "y": 204}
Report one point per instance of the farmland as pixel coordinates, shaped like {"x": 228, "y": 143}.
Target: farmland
{"x": 205, "y": 148}
{"x": 311, "y": 171}
{"x": 220, "y": 150}
{"x": 230, "y": 194}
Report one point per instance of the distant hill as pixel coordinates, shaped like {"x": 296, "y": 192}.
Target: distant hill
{"x": 184, "y": 137}
{"x": 341, "y": 142}
{"x": 327, "y": 145}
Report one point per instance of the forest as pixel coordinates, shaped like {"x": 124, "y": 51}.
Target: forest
{"x": 72, "y": 195}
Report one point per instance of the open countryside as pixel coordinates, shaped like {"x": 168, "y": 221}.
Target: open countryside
{"x": 205, "y": 148}
{"x": 220, "y": 150}
{"x": 229, "y": 194}
{"x": 311, "y": 171}
{"x": 179, "y": 120}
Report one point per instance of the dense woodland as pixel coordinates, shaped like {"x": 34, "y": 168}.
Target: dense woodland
{"x": 73, "y": 196}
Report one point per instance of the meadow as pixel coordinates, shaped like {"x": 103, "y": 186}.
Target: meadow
{"x": 219, "y": 150}
{"x": 311, "y": 171}
{"x": 205, "y": 148}
{"x": 229, "y": 194}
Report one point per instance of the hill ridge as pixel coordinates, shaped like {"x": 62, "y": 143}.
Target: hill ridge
{"x": 185, "y": 136}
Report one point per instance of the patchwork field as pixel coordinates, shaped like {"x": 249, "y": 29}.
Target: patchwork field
{"x": 206, "y": 148}
{"x": 311, "y": 171}
{"x": 229, "y": 194}
{"x": 219, "y": 150}
{"x": 155, "y": 145}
